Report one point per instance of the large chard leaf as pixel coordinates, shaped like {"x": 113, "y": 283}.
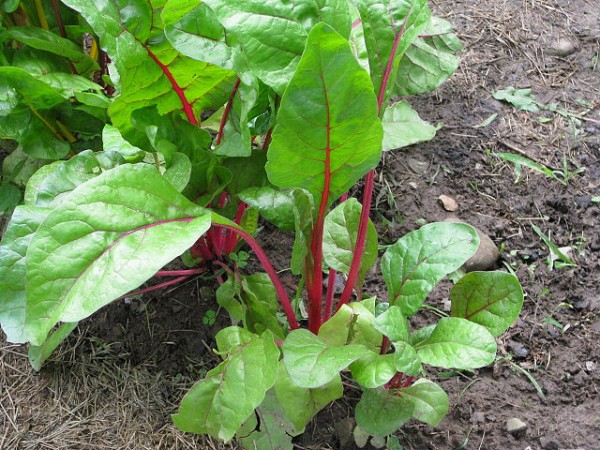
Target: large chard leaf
{"x": 150, "y": 70}
{"x": 272, "y": 33}
{"x": 458, "y": 344}
{"x": 339, "y": 238}
{"x": 328, "y": 134}
{"x": 381, "y": 412}
{"x": 107, "y": 237}
{"x": 220, "y": 403}
{"x": 491, "y": 299}
{"x": 311, "y": 363}
{"x": 17, "y": 237}
{"x": 419, "y": 260}
{"x": 430, "y": 402}
{"x": 390, "y": 27}
{"x": 429, "y": 60}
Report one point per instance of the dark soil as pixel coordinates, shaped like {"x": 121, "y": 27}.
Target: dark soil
{"x": 548, "y": 369}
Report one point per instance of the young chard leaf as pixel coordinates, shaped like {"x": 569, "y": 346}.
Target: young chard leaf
{"x": 402, "y": 127}
{"x": 17, "y": 237}
{"x": 328, "y": 134}
{"x": 220, "y": 403}
{"x": 430, "y": 402}
{"x": 392, "y": 324}
{"x": 419, "y": 260}
{"x": 275, "y": 206}
{"x": 311, "y": 363}
{"x": 491, "y": 299}
{"x": 374, "y": 370}
{"x": 381, "y": 412}
{"x": 458, "y": 344}
{"x": 89, "y": 250}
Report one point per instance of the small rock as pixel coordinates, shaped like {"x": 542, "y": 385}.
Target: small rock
{"x": 590, "y": 366}
{"x": 449, "y": 203}
{"x": 417, "y": 166}
{"x": 516, "y": 427}
{"x": 486, "y": 255}
{"x": 595, "y": 245}
{"x": 579, "y": 305}
{"x": 518, "y": 349}
{"x": 549, "y": 443}
{"x": 561, "y": 47}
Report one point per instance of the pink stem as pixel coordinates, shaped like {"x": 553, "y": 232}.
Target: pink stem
{"x": 264, "y": 259}
{"x": 158, "y": 286}
{"x": 226, "y": 112}
{"x": 330, "y": 295}
{"x": 178, "y": 273}
{"x": 232, "y": 239}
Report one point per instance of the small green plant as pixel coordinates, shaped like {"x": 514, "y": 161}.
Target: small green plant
{"x": 556, "y": 258}
{"x": 562, "y": 176}
{"x": 210, "y": 317}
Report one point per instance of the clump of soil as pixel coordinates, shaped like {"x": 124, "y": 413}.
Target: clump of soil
{"x": 114, "y": 383}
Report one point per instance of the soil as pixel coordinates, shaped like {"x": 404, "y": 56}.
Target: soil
{"x": 113, "y": 384}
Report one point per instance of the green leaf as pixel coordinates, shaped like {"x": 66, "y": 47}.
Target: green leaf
{"x": 419, "y": 260}
{"x": 521, "y": 99}
{"x": 519, "y": 160}
{"x": 89, "y": 249}
{"x": 262, "y": 304}
{"x": 311, "y": 363}
{"x": 429, "y": 60}
{"x": 429, "y": 401}
{"x": 228, "y": 295}
{"x": 220, "y": 403}
{"x": 351, "y": 324}
{"x": 47, "y": 41}
{"x": 36, "y": 180}
{"x": 327, "y": 134}
{"x": 17, "y": 237}
{"x": 402, "y": 127}
{"x": 179, "y": 171}
{"x": 458, "y": 344}
{"x": 39, "y": 354}
{"x": 339, "y": 238}
{"x": 10, "y": 197}
{"x": 420, "y": 335}
{"x": 491, "y": 299}
{"x": 390, "y": 27}
{"x": 112, "y": 140}
{"x": 249, "y": 172}
{"x": 259, "y": 27}
{"x": 300, "y": 405}
{"x": 406, "y": 359}
{"x": 392, "y": 324}
{"x": 151, "y": 72}
{"x": 275, "y": 206}
{"x": 18, "y": 167}
{"x": 9, "y": 5}
{"x": 380, "y": 412}
{"x": 304, "y": 212}
{"x": 373, "y": 370}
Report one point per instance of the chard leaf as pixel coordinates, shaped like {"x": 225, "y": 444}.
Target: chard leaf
{"x": 17, "y": 237}
{"x": 259, "y": 26}
{"x": 339, "y": 238}
{"x": 106, "y": 238}
{"x": 304, "y": 212}
{"x": 38, "y": 355}
{"x": 390, "y": 27}
{"x": 10, "y": 197}
{"x": 429, "y": 60}
{"x": 458, "y": 344}
{"x": 311, "y": 363}
{"x": 150, "y": 70}
{"x": 380, "y": 412}
{"x": 402, "y": 127}
{"x": 327, "y": 134}
{"x": 112, "y": 140}
{"x": 351, "y": 324}
{"x": 220, "y": 403}
{"x": 392, "y": 324}
{"x": 373, "y": 370}
{"x": 275, "y": 206}
{"x": 491, "y": 299}
{"x": 261, "y": 305}
{"x": 406, "y": 359}
{"x": 429, "y": 401}
{"x": 419, "y": 260}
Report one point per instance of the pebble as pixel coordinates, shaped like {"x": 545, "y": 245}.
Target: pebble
{"x": 515, "y": 426}
{"x": 518, "y": 349}
{"x": 417, "y": 166}
{"x": 561, "y": 47}
{"x": 549, "y": 443}
{"x": 486, "y": 255}
{"x": 448, "y": 203}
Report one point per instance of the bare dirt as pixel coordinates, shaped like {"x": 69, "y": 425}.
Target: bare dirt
{"x": 113, "y": 384}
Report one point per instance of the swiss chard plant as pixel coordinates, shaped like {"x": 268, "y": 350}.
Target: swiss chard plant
{"x": 299, "y": 93}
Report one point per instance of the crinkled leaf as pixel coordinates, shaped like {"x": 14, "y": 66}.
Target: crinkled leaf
{"x": 39, "y": 354}
{"x": 36, "y": 180}
{"x": 17, "y": 237}
{"x": 429, "y": 60}
{"x": 327, "y": 134}
{"x": 402, "y": 127}
{"x": 458, "y": 344}
{"x": 220, "y": 403}
{"x": 380, "y": 412}
{"x": 390, "y": 27}
{"x": 392, "y": 324}
{"x": 272, "y": 33}
{"x": 275, "y": 206}
{"x": 351, "y": 324}
{"x": 311, "y": 363}
{"x": 339, "y": 238}
{"x": 491, "y": 299}
{"x": 429, "y": 401}
{"x": 419, "y": 260}
{"x": 89, "y": 249}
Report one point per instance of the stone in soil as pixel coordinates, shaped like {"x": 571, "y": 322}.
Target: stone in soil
{"x": 548, "y": 443}
{"x": 487, "y": 253}
{"x": 516, "y": 426}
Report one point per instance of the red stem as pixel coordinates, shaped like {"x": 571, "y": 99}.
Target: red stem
{"x": 232, "y": 239}
{"x": 264, "y": 260}
{"x": 178, "y": 273}
{"x": 265, "y": 145}
{"x": 330, "y": 295}
{"x": 61, "y": 29}
{"x": 226, "y": 112}
{"x": 158, "y": 286}
{"x": 187, "y": 106}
